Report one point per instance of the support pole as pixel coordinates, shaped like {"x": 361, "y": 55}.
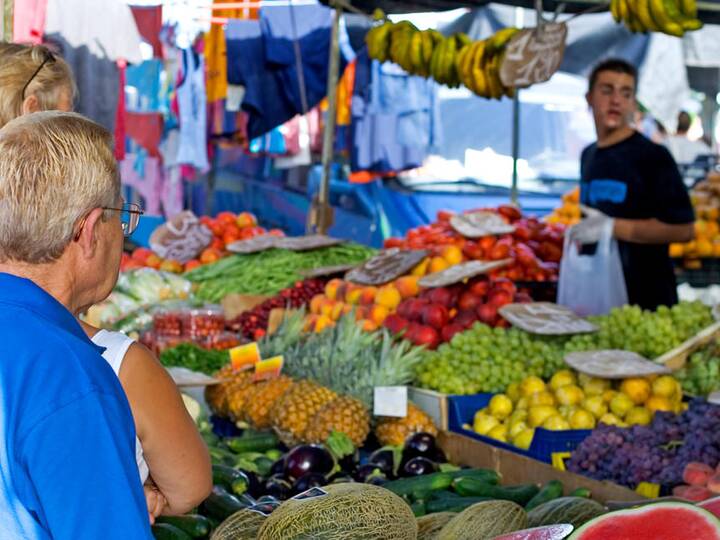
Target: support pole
{"x": 515, "y": 146}
{"x": 322, "y": 215}
{"x": 6, "y": 20}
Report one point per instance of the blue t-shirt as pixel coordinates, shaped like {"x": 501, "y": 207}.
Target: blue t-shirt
{"x": 67, "y": 454}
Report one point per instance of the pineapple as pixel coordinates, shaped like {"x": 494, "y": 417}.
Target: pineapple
{"x": 345, "y": 414}
{"x": 219, "y": 396}
{"x": 394, "y": 431}
{"x": 292, "y": 412}
{"x": 260, "y": 399}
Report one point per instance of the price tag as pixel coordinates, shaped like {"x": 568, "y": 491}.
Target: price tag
{"x": 184, "y": 377}
{"x": 307, "y": 243}
{"x": 461, "y": 272}
{"x": 479, "y": 224}
{"x": 268, "y": 369}
{"x": 244, "y": 356}
{"x": 649, "y": 490}
{"x": 391, "y": 401}
{"x": 253, "y": 245}
{"x": 326, "y": 271}
{"x": 558, "y": 460}
{"x": 386, "y": 266}
{"x": 181, "y": 238}
{"x": 614, "y": 364}
{"x": 546, "y": 318}
{"x": 310, "y": 494}
{"x": 533, "y": 55}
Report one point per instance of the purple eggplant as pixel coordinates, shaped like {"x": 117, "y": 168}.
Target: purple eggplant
{"x": 419, "y": 466}
{"x": 420, "y": 444}
{"x": 307, "y": 481}
{"x": 309, "y": 458}
{"x": 383, "y": 459}
{"x": 277, "y": 487}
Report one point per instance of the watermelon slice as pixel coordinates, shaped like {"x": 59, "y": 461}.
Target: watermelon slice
{"x": 662, "y": 521}
{"x": 548, "y": 532}
{"x": 711, "y": 505}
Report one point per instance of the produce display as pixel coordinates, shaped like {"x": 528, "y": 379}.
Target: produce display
{"x": 701, "y": 375}
{"x": 705, "y": 197}
{"x": 483, "y": 359}
{"x": 194, "y": 358}
{"x": 568, "y": 213}
{"x": 674, "y": 17}
{"x": 268, "y": 272}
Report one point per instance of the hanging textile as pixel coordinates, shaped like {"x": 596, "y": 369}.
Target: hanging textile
{"x": 144, "y": 175}
{"x": 145, "y": 129}
{"x": 193, "y": 112}
{"x": 149, "y": 23}
{"x": 120, "y": 114}
{"x": 29, "y": 21}
{"x": 144, "y": 80}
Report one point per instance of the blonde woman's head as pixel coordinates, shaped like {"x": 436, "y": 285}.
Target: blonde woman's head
{"x": 32, "y": 79}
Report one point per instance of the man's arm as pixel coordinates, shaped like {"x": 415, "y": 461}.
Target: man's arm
{"x": 652, "y": 231}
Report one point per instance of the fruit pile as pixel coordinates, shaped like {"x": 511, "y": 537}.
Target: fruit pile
{"x": 657, "y": 452}
{"x": 568, "y": 213}
{"x": 673, "y": 18}
{"x": 440, "y": 313}
{"x": 705, "y": 197}
{"x": 452, "y": 60}
{"x": 253, "y": 323}
{"x": 701, "y": 375}
{"x": 535, "y": 246}
{"x": 701, "y": 482}
{"x": 483, "y": 359}
{"x": 571, "y": 401}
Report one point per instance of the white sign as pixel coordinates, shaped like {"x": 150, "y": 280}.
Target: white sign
{"x": 533, "y": 55}
{"x": 391, "y": 401}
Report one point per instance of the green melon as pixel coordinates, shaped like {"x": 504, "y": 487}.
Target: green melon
{"x": 242, "y": 525}
{"x": 573, "y": 510}
{"x": 346, "y": 512}
{"x": 429, "y": 526}
{"x": 485, "y": 520}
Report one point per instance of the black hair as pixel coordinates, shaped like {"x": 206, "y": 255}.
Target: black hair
{"x": 618, "y": 65}
{"x": 684, "y": 121}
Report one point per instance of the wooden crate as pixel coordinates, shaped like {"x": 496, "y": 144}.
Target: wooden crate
{"x": 677, "y": 357}
{"x": 433, "y": 403}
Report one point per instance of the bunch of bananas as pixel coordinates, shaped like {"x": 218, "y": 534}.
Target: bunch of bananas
{"x": 451, "y": 61}
{"x": 673, "y": 17}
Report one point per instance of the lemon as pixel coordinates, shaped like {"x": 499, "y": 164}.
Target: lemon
{"x": 522, "y": 404}
{"x": 564, "y": 377}
{"x": 666, "y": 387}
{"x": 531, "y": 385}
{"x": 608, "y": 395}
{"x": 569, "y": 394}
{"x": 541, "y": 398}
{"x": 513, "y": 392}
{"x": 638, "y": 415}
{"x": 515, "y": 429}
{"x": 500, "y": 406}
{"x": 637, "y": 389}
{"x": 595, "y": 386}
{"x": 611, "y": 420}
{"x": 621, "y": 404}
{"x": 582, "y": 419}
{"x": 484, "y": 424}
{"x": 658, "y": 403}
{"x": 518, "y": 415}
{"x": 595, "y": 405}
{"x": 538, "y": 414}
{"x": 480, "y": 413}
{"x": 499, "y": 433}
{"x": 524, "y": 439}
{"x": 566, "y": 411}
{"x": 556, "y": 423}
{"x": 583, "y": 379}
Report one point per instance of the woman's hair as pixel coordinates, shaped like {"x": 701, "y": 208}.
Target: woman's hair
{"x": 21, "y": 73}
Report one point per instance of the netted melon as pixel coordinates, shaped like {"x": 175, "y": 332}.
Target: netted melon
{"x": 574, "y": 510}
{"x": 429, "y": 526}
{"x": 484, "y": 521}
{"x": 242, "y": 525}
{"x": 344, "y": 512}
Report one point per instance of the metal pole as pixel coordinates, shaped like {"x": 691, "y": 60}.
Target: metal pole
{"x": 6, "y": 20}
{"x": 515, "y": 145}
{"x": 322, "y": 211}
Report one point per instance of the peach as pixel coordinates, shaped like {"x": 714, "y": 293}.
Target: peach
{"x": 322, "y": 323}
{"x": 361, "y": 313}
{"x": 713, "y": 483}
{"x": 153, "y": 261}
{"x": 438, "y": 264}
{"x": 326, "y": 308}
{"x": 353, "y": 293}
{"x": 337, "y": 311}
{"x": 697, "y": 474}
{"x": 368, "y": 326}
{"x": 452, "y": 254}
{"x": 331, "y": 288}
{"x": 421, "y": 269}
{"x": 367, "y": 297}
{"x": 408, "y": 286}
{"x": 378, "y": 314}
{"x": 389, "y": 297}
{"x": 316, "y": 303}
{"x": 692, "y": 493}
{"x": 310, "y": 322}
{"x": 347, "y": 308}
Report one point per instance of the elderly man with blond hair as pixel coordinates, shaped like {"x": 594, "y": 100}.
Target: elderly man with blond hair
{"x": 67, "y": 458}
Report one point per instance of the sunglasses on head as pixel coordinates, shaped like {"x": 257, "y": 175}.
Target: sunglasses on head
{"x": 49, "y": 59}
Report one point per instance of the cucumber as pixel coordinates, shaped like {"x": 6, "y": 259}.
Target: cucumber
{"x": 452, "y": 504}
{"x": 552, "y": 490}
{"x": 254, "y": 443}
{"x": 443, "y": 494}
{"x": 437, "y": 481}
{"x": 472, "y": 487}
{"x": 418, "y": 508}
{"x": 226, "y": 476}
{"x": 221, "y": 456}
{"x": 193, "y": 525}
{"x": 165, "y": 531}
{"x": 581, "y": 492}
{"x": 264, "y": 464}
{"x": 221, "y": 505}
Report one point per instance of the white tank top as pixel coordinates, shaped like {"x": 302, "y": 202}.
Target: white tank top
{"x": 116, "y": 345}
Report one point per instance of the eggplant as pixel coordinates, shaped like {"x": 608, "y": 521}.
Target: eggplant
{"x": 349, "y": 463}
{"x": 366, "y": 471}
{"x": 420, "y": 445}
{"x": 377, "y": 480}
{"x": 278, "y": 467}
{"x": 277, "y": 487}
{"x": 307, "y": 481}
{"x": 419, "y": 466}
{"x": 340, "y": 478}
{"x": 267, "y": 499}
{"x": 309, "y": 458}
{"x": 383, "y": 459}
{"x": 266, "y": 508}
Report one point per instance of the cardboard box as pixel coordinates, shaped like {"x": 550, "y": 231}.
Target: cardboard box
{"x": 433, "y": 403}
{"x": 517, "y": 469}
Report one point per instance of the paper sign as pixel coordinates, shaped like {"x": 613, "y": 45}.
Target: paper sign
{"x": 461, "y": 272}
{"x": 235, "y": 304}
{"x": 390, "y": 401}
{"x": 386, "y": 266}
{"x": 325, "y": 271}
{"x": 546, "y": 318}
{"x": 479, "y": 224}
{"x": 244, "y": 356}
{"x": 185, "y": 377}
{"x": 614, "y": 364}
{"x": 307, "y": 243}
{"x": 558, "y": 460}
{"x": 181, "y": 238}
{"x": 268, "y": 369}
{"x": 533, "y": 55}
{"x": 253, "y": 245}
{"x": 310, "y": 494}
{"x": 646, "y": 489}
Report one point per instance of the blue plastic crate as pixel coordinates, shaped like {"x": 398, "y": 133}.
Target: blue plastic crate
{"x": 545, "y": 443}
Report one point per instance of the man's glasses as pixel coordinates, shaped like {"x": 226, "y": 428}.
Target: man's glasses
{"x": 129, "y": 217}
{"x": 49, "y": 59}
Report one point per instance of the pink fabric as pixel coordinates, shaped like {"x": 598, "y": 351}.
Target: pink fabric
{"x": 149, "y": 23}
{"x": 120, "y": 114}
{"x": 291, "y": 133}
{"x": 149, "y": 186}
{"x": 29, "y": 21}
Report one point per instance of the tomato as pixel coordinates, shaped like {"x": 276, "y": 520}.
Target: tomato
{"x": 393, "y": 242}
{"x": 209, "y": 255}
{"x": 193, "y": 263}
{"x": 445, "y": 215}
{"x": 226, "y": 217}
{"x": 217, "y": 243}
{"x": 487, "y": 243}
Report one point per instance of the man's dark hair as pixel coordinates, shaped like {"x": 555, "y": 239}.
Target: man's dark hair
{"x": 683, "y": 124}
{"x": 618, "y": 65}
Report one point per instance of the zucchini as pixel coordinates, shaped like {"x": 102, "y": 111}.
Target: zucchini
{"x": 452, "y": 504}
{"x": 581, "y": 492}
{"x": 443, "y": 494}
{"x": 221, "y": 456}
{"x": 420, "y": 485}
{"x": 221, "y": 505}
{"x": 254, "y": 443}
{"x": 193, "y": 525}
{"x": 418, "y": 508}
{"x": 226, "y": 476}
{"x": 472, "y": 487}
{"x": 552, "y": 490}
{"x": 165, "y": 531}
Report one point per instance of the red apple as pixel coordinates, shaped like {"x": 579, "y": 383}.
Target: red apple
{"x": 403, "y": 309}
{"x": 441, "y": 296}
{"x": 487, "y": 313}
{"x": 395, "y": 323}
{"x": 427, "y": 336}
{"x": 411, "y": 331}
{"x": 523, "y": 298}
{"x": 450, "y": 330}
{"x": 480, "y": 288}
{"x": 435, "y": 315}
{"x": 499, "y": 298}
{"x": 415, "y": 309}
{"x": 525, "y": 256}
{"x": 468, "y": 301}
{"x": 504, "y": 284}
{"x": 465, "y": 318}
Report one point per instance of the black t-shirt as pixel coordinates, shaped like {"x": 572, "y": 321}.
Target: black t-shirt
{"x": 638, "y": 179}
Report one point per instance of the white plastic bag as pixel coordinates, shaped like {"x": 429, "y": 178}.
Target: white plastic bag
{"x": 592, "y": 284}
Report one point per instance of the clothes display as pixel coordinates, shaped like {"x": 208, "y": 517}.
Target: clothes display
{"x": 29, "y": 21}
{"x": 193, "y": 112}
{"x": 149, "y": 23}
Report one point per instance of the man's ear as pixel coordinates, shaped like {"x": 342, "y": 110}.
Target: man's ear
{"x": 587, "y": 98}
{"x": 31, "y": 104}
{"x": 86, "y": 237}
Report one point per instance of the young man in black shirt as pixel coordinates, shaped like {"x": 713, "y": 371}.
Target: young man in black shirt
{"x": 635, "y": 184}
